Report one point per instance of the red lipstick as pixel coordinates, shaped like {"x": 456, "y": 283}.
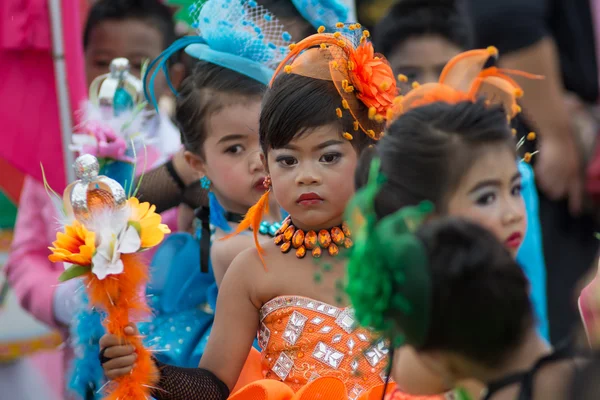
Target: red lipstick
{"x": 514, "y": 241}
{"x": 260, "y": 185}
{"x": 309, "y": 199}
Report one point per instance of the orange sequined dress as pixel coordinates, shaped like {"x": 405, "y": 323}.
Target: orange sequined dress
{"x": 309, "y": 345}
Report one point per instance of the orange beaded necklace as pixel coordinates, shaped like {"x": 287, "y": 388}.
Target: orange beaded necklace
{"x": 289, "y": 236}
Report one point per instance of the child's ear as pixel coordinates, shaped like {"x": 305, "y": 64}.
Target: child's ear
{"x": 177, "y": 74}
{"x": 195, "y": 162}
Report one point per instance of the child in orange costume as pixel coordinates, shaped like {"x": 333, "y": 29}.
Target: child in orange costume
{"x": 329, "y": 100}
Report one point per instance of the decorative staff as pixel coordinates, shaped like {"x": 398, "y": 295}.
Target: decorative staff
{"x": 102, "y": 245}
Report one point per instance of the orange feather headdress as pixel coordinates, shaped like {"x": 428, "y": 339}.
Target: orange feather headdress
{"x": 464, "y": 78}
{"x": 359, "y": 74}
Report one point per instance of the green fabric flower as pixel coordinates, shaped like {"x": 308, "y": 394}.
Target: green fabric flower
{"x": 388, "y": 279}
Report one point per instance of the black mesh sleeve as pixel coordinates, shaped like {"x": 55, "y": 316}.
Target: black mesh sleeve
{"x": 188, "y": 384}
{"x": 163, "y": 188}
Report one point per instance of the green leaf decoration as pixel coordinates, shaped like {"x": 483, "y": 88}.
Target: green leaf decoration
{"x": 387, "y": 268}
{"x": 73, "y": 272}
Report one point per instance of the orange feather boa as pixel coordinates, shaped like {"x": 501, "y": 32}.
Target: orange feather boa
{"x": 120, "y": 297}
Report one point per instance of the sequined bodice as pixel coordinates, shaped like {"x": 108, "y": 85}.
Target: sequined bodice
{"x": 303, "y": 339}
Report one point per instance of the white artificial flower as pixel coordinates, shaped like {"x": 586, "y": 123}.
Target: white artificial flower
{"x": 107, "y": 260}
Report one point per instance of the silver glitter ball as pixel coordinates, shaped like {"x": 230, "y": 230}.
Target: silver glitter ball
{"x": 86, "y": 168}
{"x": 119, "y": 67}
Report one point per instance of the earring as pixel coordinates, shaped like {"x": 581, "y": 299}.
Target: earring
{"x": 205, "y": 183}
{"x": 267, "y": 182}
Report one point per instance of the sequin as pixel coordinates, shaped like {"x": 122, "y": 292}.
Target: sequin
{"x": 286, "y": 247}
{"x": 316, "y": 253}
{"x": 324, "y": 238}
{"x": 310, "y": 240}
{"x": 301, "y": 252}
{"x": 333, "y": 250}
{"x": 338, "y": 236}
{"x": 284, "y": 226}
{"x": 346, "y": 229}
{"x": 298, "y": 239}
{"x": 289, "y": 233}
{"x": 278, "y": 240}
{"x": 348, "y": 243}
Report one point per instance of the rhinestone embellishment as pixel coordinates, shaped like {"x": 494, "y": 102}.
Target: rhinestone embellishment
{"x": 328, "y": 355}
{"x": 294, "y": 327}
{"x": 346, "y": 320}
{"x": 263, "y": 336}
{"x": 376, "y": 353}
{"x": 283, "y": 366}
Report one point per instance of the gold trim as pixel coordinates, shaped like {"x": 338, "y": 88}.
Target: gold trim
{"x": 19, "y": 349}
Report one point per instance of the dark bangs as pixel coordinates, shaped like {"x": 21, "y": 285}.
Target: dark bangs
{"x": 296, "y": 104}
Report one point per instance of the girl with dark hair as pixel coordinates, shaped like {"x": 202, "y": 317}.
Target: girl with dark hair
{"x": 452, "y": 149}
{"x": 451, "y": 292}
{"x": 419, "y": 37}
{"x": 217, "y": 110}
{"x": 329, "y": 101}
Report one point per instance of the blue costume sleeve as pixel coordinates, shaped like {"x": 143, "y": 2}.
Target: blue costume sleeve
{"x": 531, "y": 255}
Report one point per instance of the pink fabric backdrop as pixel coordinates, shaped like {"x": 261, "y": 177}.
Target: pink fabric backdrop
{"x": 30, "y": 128}
{"x": 28, "y": 105}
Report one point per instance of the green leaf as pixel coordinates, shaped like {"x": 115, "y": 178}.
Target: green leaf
{"x": 73, "y": 272}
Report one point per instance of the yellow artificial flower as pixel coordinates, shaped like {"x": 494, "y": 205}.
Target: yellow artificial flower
{"x": 152, "y": 232}
{"x": 75, "y": 246}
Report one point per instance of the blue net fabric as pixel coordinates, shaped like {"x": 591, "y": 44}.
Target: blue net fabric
{"x": 240, "y": 35}
{"x": 236, "y": 34}
{"x": 243, "y": 28}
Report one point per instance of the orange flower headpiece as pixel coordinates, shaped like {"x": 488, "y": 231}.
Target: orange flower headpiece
{"x": 359, "y": 74}
{"x": 464, "y": 78}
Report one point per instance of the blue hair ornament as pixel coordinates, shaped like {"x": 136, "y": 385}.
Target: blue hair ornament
{"x": 239, "y": 35}
{"x": 325, "y": 13}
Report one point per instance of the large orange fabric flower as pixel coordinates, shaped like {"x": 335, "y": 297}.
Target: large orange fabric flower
{"x": 76, "y": 245}
{"x": 372, "y": 78}
{"x": 151, "y": 230}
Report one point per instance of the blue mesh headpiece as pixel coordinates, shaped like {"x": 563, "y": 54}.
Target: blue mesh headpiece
{"x": 325, "y": 13}
{"x": 236, "y": 34}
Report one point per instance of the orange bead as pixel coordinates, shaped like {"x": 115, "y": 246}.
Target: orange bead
{"x": 310, "y": 240}
{"x": 338, "y": 236}
{"x": 324, "y": 238}
{"x": 284, "y": 226}
{"x": 278, "y": 239}
{"x": 346, "y": 229}
{"x": 333, "y": 250}
{"x": 298, "y": 238}
{"x": 316, "y": 253}
{"x": 301, "y": 252}
{"x": 348, "y": 243}
{"x": 289, "y": 233}
{"x": 286, "y": 247}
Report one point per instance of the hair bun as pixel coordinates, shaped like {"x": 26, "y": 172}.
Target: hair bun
{"x": 396, "y": 281}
